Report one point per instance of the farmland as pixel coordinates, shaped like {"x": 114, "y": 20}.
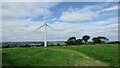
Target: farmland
{"x": 85, "y": 55}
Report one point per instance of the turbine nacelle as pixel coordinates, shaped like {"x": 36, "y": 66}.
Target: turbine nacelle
{"x": 45, "y": 24}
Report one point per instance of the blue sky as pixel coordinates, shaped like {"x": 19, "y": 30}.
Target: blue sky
{"x": 64, "y": 6}
{"x": 21, "y": 19}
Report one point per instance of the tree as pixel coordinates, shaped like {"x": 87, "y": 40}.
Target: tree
{"x": 100, "y": 39}
{"x": 85, "y": 38}
{"x": 103, "y": 39}
{"x": 79, "y": 41}
{"x": 71, "y": 41}
{"x": 96, "y": 40}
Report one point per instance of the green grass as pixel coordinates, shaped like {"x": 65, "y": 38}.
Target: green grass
{"x": 61, "y": 56}
{"x": 105, "y": 52}
{"x": 0, "y": 56}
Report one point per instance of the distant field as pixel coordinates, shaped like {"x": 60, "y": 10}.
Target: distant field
{"x": 99, "y": 55}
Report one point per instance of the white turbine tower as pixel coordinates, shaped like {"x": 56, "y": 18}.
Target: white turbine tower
{"x": 45, "y": 31}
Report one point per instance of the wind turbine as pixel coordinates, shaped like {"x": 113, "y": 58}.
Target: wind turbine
{"x": 45, "y": 25}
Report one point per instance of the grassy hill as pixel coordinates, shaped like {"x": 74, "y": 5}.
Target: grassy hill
{"x": 99, "y": 55}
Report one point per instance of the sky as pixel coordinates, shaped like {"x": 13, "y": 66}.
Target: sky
{"x": 67, "y": 19}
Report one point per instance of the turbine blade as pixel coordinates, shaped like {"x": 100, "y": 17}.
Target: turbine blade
{"x": 40, "y": 27}
{"x": 54, "y": 28}
{"x": 50, "y": 27}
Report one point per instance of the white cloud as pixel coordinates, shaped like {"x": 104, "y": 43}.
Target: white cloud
{"x": 60, "y": 0}
{"x": 96, "y": 7}
{"x": 114, "y": 19}
{"x": 32, "y": 0}
{"x": 88, "y": 12}
{"x": 54, "y": 19}
{"x": 109, "y": 21}
{"x": 101, "y": 29}
{"x": 72, "y": 16}
{"x": 110, "y": 8}
{"x": 18, "y": 29}
{"x": 25, "y": 30}
{"x": 11, "y": 11}
{"x": 15, "y": 26}
{"x": 100, "y": 7}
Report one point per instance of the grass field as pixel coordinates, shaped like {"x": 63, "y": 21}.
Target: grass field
{"x": 99, "y": 55}
{"x": 107, "y": 53}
